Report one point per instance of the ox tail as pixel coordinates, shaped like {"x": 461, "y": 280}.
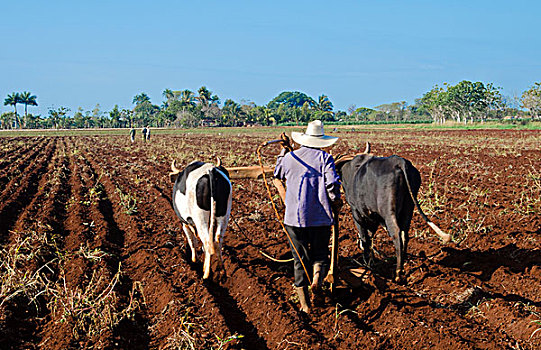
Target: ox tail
{"x": 212, "y": 220}
{"x": 444, "y": 236}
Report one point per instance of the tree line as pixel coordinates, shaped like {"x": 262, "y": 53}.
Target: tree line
{"x": 463, "y": 102}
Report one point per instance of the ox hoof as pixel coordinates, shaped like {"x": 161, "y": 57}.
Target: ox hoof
{"x": 400, "y": 279}
{"x": 221, "y": 276}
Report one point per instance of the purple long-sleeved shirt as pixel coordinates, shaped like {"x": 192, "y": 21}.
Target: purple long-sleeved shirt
{"x": 311, "y": 185}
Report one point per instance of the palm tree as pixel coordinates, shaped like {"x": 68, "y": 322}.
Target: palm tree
{"x": 187, "y": 98}
{"x": 12, "y": 100}
{"x": 325, "y": 106}
{"x": 168, "y": 94}
{"x": 204, "y": 96}
{"x": 27, "y": 99}
{"x": 142, "y": 97}
{"x": 214, "y": 100}
{"x": 233, "y": 115}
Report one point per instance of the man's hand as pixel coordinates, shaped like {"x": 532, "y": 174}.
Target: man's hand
{"x": 286, "y": 142}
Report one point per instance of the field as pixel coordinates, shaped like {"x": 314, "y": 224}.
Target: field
{"x": 94, "y": 257}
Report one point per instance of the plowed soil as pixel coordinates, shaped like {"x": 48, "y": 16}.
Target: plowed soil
{"x": 94, "y": 256}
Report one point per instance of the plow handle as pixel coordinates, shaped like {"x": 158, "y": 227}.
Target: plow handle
{"x": 332, "y": 276}
{"x": 283, "y": 140}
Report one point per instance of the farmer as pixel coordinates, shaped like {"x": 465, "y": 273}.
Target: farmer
{"x": 148, "y": 133}
{"x": 144, "y": 133}
{"x": 313, "y": 192}
{"x": 132, "y": 135}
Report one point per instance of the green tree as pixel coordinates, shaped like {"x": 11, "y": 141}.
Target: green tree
{"x": 79, "y": 119}
{"x": 434, "y": 102}
{"x": 96, "y": 116}
{"x": 494, "y": 101}
{"x": 34, "y": 121}
{"x": 208, "y": 105}
{"x": 115, "y": 116}
{"x": 6, "y": 120}
{"x": 472, "y": 100}
{"x": 144, "y": 111}
{"x": 58, "y": 116}
{"x": 232, "y": 114}
{"x": 291, "y": 99}
{"x": 531, "y": 100}
{"x": 13, "y": 100}
{"x": 363, "y": 114}
{"x": 127, "y": 117}
{"x": 394, "y": 111}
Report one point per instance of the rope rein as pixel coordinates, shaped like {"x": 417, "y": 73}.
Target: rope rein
{"x": 276, "y": 210}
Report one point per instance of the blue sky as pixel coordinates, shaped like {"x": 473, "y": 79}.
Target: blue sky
{"x": 362, "y": 53}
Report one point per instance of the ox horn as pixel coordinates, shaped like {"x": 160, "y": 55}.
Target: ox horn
{"x": 174, "y": 169}
{"x": 367, "y": 149}
{"x": 218, "y": 162}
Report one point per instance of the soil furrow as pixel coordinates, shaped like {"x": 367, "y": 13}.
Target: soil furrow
{"x": 19, "y": 150}
{"x": 40, "y": 217}
{"x": 16, "y": 170}
{"x": 21, "y": 194}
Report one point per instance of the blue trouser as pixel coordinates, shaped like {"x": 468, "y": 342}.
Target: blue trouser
{"x": 312, "y": 244}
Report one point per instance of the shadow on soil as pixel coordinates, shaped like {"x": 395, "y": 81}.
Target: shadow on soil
{"x": 486, "y": 262}
{"x": 236, "y": 319}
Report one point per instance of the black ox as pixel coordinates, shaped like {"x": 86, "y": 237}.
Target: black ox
{"x": 382, "y": 191}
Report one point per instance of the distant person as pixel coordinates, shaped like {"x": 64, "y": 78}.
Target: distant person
{"x": 144, "y": 133}
{"x": 132, "y": 135}
{"x": 148, "y": 133}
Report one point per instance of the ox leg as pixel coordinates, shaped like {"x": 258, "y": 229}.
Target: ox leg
{"x": 208, "y": 245}
{"x": 218, "y": 243}
{"x": 405, "y": 227}
{"x": 396, "y": 234}
{"x": 190, "y": 235}
{"x": 218, "y": 248}
{"x": 365, "y": 244}
{"x": 206, "y": 266}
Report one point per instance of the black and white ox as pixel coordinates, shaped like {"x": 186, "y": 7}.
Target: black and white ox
{"x": 382, "y": 191}
{"x": 202, "y": 200}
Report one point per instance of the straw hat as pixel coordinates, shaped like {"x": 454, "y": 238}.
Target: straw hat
{"x": 314, "y": 136}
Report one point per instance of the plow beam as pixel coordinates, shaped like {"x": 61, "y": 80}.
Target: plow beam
{"x": 249, "y": 172}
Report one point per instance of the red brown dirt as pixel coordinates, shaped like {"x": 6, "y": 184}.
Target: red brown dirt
{"x": 481, "y": 291}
